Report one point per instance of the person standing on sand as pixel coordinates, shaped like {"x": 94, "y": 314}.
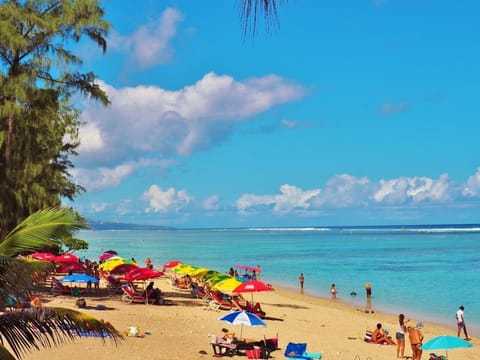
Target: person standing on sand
{"x": 301, "y": 278}
{"x": 333, "y": 291}
{"x": 416, "y": 338}
{"x": 368, "y": 289}
{"x": 400, "y": 335}
{"x": 461, "y": 323}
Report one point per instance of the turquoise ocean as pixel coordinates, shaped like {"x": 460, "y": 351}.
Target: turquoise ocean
{"x": 425, "y": 272}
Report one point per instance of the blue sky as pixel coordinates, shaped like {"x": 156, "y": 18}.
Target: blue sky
{"x": 353, "y": 112}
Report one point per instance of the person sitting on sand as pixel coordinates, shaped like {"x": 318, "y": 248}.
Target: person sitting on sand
{"x": 381, "y": 337}
{"x": 228, "y": 337}
{"x": 153, "y": 293}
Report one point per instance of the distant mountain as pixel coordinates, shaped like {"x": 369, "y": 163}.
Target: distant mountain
{"x": 104, "y": 225}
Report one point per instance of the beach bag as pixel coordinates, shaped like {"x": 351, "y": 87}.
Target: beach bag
{"x": 436, "y": 357}
{"x": 368, "y": 336}
{"x": 81, "y": 303}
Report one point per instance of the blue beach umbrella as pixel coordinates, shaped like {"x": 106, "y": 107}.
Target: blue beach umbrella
{"x": 242, "y": 318}
{"x": 445, "y": 342}
{"x": 79, "y": 278}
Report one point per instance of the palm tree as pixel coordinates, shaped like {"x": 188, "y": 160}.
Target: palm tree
{"x": 43, "y": 327}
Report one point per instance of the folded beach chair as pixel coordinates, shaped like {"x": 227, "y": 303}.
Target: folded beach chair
{"x": 58, "y": 288}
{"x": 299, "y": 351}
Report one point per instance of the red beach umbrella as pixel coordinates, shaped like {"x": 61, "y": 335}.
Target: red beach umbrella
{"x": 252, "y": 286}
{"x": 75, "y": 267}
{"x": 43, "y": 256}
{"x": 172, "y": 263}
{"x": 66, "y": 258}
{"x": 123, "y": 268}
{"x": 141, "y": 273}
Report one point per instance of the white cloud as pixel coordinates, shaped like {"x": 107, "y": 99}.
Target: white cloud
{"x": 212, "y": 203}
{"x": 165, "y": 201}
{"x": 416, "y": 189}
{"x": 345, "y": 190}
{"x": 150, "y": 121}
{"x": 150, "y": 44}
{"x": 290, "y": 198}
{"x": 102, "y": 178}
{"x": 472, "y": 187}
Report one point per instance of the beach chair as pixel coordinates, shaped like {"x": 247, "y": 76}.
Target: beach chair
{"x": 130, "y": 296}
{"x": 58, "y": 288}
{"x": 216, "y": 303}
{"x": 299, "y": 351}
{"x": 222, "y": 348}
{"x": 114, "y": 285}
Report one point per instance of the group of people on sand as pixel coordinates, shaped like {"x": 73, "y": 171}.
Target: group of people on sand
{"x": 415, "y": 336}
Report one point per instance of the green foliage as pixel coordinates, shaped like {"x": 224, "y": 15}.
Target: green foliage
{"x": 29, "y": 329}
{"x": 39, "y": 72}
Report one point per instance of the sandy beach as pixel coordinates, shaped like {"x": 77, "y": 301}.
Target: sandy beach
{"x": 179, "y": 329}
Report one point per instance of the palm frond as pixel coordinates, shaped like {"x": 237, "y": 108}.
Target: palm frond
{"x": 43, "y": 228}
{"x": 45, "y": 327}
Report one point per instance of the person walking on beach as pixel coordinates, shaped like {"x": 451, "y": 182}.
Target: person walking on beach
{"x": 461, "y": 323}
{"x": 400, "y": 335}
{"x": 333, "y": 291}
{"x": 301, "y": 278}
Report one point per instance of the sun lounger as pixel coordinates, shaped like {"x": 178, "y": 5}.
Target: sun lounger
{"x": 253, "y": 350}
{"x": 217, "y": 303}
{"x": 299, "y": 351}
{"x": 130, "y": 296}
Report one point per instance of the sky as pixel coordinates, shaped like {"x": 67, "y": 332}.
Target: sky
{"x": 354, "y": 112}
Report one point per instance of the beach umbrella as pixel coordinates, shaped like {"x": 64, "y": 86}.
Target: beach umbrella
{"x": 105, "y": 256}
{"x": 79, "y": 278}
{"x": 70, "y": 267}
{"x": 228, "y": 285}
{"x": 110, "y": 252}
{"x": 242, "y": 318}
{"x": 252, "y": 286}
{"x": 43, "y": 256}
{"x": 445, "y": 342}
{"x": 172, "y": 263}
{"x": 216, "y": 278}
{"x": 111, "y": 263}
{"x": 64, "y": 258}
{"x": 141, "y": 273}
{"x": 123, "y": 268}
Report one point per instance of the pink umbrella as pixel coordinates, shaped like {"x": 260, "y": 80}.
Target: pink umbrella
{"x": 172, "y": 263}
{"x": 106, "y": 256}
{"x": 43, "y": 256}
{"x": 66, "y": 258}
{"x": 71, "y": 267}
{"x": 141, "y": 273}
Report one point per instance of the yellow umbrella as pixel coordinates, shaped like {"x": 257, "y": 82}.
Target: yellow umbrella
{"x": 112, "y": 264}
{"x": 196, "y": 272}
{"x": 181, "y": 267}
{"x": 226, "y": 285}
